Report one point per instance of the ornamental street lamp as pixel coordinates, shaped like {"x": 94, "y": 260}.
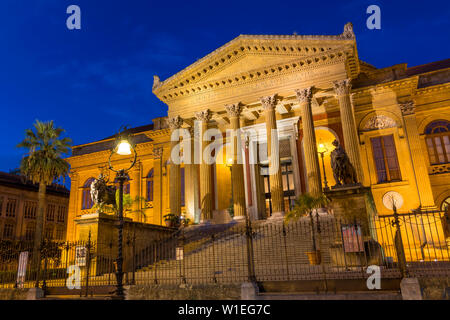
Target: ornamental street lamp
{"x": 123, "y": 146}
{"x": 322, "y": 150}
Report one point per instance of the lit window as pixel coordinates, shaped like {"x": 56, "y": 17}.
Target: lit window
{"x": 385, "y": 158}
{"x": 86, "y": 200}
{"x": 438, "y": 141}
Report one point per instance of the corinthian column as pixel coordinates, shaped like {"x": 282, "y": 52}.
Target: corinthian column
{"x": 342, "y": 89}
{"x": 309, "y": 141}
{"x": 206, "y": 193}
{"x": 276, "y": 183}
{"x": 174, "y": 167}
{"x": 419, "y": 165}
{"x": 237, "y": 168}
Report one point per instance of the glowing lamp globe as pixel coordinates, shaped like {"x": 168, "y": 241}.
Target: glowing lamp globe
{"x": 124, "y": 148}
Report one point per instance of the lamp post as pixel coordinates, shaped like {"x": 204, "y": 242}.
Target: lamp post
{"x": 322, "y": 150}
{"x": 122, "y": 146}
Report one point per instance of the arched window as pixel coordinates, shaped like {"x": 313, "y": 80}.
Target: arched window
{"x": 86, "y": 200}
{"x": 149, "y": 196}
{"x": 445, "y": 204}
{"x": 438, "y": 141}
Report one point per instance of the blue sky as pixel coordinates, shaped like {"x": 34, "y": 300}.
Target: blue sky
{"x": 92, "y": 81}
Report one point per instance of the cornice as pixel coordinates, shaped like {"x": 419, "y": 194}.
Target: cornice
{"x": 432, "y": 89}
{"x": 278, "y": 44}
{"x": 248, "y": 77}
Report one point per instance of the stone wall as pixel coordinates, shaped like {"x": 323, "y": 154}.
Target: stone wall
{"x": 186, "y": 292}
{"x": 435, "y": 288}
{"x": 13, "y": 294}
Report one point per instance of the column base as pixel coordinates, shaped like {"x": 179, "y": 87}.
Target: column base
{"x": 239, "y": 218}
{"x": 276, "y": 216}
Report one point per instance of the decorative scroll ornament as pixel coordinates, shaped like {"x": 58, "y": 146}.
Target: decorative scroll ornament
{"x": 175, "y": 122}
{"x": 379, "y": 122}
{"x": 407, "y": 108}
{"x": 304, "y": 95}
{"x": 157, "y": 153}
{"x": 342, "y": 87}
{"x": 348, "y": 31}
{"x": 233, "y": 110}
{"x": 269, "y": 102}
{"x": 204, "y": 115}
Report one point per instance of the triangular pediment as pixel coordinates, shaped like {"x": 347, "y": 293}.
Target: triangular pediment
{"x": 253, "y": 54}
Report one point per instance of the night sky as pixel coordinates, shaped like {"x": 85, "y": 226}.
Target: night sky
{"x": 92, "y": 81}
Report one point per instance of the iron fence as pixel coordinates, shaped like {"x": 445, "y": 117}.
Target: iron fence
{"x": 321, "y": 248}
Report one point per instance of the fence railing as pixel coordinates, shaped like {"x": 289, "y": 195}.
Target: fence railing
{"x": 324, "y": 247}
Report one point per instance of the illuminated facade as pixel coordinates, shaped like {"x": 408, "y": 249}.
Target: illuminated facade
{"x": 394, "y": 124}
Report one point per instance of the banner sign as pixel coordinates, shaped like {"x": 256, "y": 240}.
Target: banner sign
{"x": 80, "y": 256}
{"x": 352, "y": 238}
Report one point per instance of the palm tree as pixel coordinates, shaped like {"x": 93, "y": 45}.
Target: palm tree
{"x": 43, "y": 165}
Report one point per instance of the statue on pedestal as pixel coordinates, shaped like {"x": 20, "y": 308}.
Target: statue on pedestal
{"x": 101, "y": 193}
{"x": 343, "y": 171}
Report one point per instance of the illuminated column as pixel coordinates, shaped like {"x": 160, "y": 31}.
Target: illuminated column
{"x": 191, "y": 182}
{"x": 157, "y": 186}
{"x": 309, "y": 141}
{"x": 342, "y": 89}
{"x": 276, "y": 183}
{"x": 417, "y": 155}
{"x": 135, "y": 188}
{"x": 206, "y": 193}
{"x": 73, "y": 205}
{"x": 237, "y": 168}
{"x": 174, "y": 167}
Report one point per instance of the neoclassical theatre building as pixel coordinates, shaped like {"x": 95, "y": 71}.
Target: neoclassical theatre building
{"x": 394, "y": 124}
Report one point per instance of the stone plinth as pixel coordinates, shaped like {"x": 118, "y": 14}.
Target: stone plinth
{"x": 104, "y": 236}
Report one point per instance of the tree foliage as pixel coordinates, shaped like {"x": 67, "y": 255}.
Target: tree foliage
{"x": 43, "y": 162}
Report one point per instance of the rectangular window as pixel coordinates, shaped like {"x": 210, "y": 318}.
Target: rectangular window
{"x": 61, "y": 213}
{"x": 29, "y": 232}
{"x": 1, "y": 206}
{"x": 11, "y": 206}
{"x": 48, "y": 232}
{"x": 439, "y": 148}
{"x": 30, "y": 209}
{"x": 8, "y": 231}
{"x": 51, "y": 212}
{"x": 385, "y": 158}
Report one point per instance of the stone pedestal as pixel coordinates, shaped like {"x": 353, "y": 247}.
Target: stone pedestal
{"x": 352, "y": 202}
{"x": 104, "y": 238}
{"x": 410, "y": 289}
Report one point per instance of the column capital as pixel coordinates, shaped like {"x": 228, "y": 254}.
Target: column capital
{"x": 175, "y": 122}
{"x": 269, "y": 102}
{"x": 204, "y": 115}
{"x": 234, "y": 110}
{"x": 157, "y": 152}
{"x": 304, "y": 95}
{"x": 342, "y": 87}
{"x": 407, "y": 108}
